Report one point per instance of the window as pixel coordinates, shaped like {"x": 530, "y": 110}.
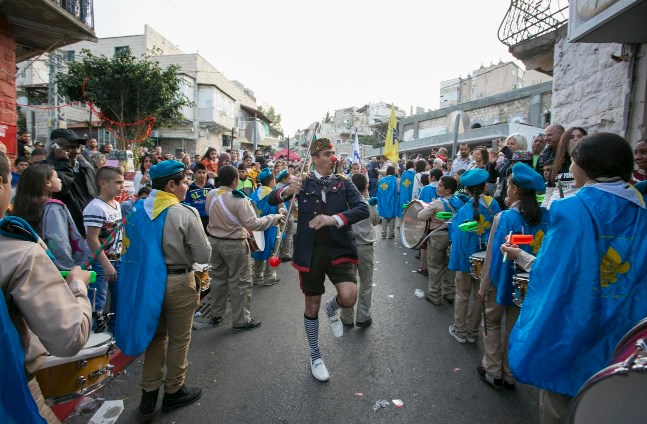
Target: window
{"x": 68, "y": 56}
{"x": 122, "y": 50}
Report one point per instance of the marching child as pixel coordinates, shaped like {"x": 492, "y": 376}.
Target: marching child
{"x": 428, "y": 192}
{"x": 441, "y": 279}
{"x": 245, "y": 184}
{"x": 364, "y": 237}
{"x": 480, "y": 209}
{"x": 387, "y": 202}
{"x": 197, "y": 194}
{"x": 102, "y": 220}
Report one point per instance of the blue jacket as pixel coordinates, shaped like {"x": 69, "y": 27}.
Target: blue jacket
{"x": 342, "y": 199}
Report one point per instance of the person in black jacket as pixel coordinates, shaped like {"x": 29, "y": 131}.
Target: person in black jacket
{"x": 78, "y": 176}
{"x": 324, "y": 244}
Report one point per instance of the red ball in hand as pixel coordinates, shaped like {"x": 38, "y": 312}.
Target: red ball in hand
{"x": 274, "y": 261}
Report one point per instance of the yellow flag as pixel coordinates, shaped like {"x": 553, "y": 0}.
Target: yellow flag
{"x": 391, "y": 143}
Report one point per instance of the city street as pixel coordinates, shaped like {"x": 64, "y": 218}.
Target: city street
{"x": 262, "y": 376}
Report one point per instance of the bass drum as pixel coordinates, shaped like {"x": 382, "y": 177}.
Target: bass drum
{"x": 413, "y": 230}
{"x": 617, "y": 393}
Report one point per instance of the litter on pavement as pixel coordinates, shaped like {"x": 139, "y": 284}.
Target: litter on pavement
{"x": 380, "y": 404}
{"x": 419, "y": 293}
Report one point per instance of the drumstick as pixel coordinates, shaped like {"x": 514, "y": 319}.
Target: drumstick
{"x": 505, "y": 255}
{"x": 274, "y": 260}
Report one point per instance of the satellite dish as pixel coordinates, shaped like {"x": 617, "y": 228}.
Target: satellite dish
{"x": 255, "y": 137}
{"x": 463, "y": 121}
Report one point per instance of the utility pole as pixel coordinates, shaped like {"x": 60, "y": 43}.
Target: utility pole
{"x": 52, "y": 91}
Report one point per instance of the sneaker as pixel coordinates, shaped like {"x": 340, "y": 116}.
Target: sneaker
{"x": 183, "y": 397}
{"x": 336, "y": 326}
{"x": 364, "y": 324}
{"x": 216, "y": 321}
{"x": 147, "y": 405}
{"x": 432, "y": 301}
{"x": 286, "y": 259}
{"x": 268, "y": 284}
{"x": 258, "y": 283}
{"x": 449, "y": 299}
{"x": 472, "y": 339}
{"x": 496, "y": 383}
{"x": 509, "y": 386}
{"x": 319, "y": 370}
{"x": 383, "y": 236}
{"x": 348, "y": 325}
{"x": 251, "y": 325}
{"x": 452, "y": 332}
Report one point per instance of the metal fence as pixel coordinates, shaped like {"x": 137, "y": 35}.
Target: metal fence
{"x": 83, "y": 10}
{"x": 528, "y": 19}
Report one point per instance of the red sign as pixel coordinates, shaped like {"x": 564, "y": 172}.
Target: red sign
{"x": 8, "y": 134}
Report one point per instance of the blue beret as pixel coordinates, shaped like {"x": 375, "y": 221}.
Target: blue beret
{"x": 265, "y": 174}
{"x": 527, "y": 178}
{"x": 282, "y": 175}
{"x": 474, "y": 177}
{"x": 165, "y": 168}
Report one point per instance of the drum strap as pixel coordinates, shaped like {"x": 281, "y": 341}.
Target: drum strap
{"x": 226, "y": 209}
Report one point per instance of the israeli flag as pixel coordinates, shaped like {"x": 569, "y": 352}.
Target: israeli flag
{"x": 356, "y": 156}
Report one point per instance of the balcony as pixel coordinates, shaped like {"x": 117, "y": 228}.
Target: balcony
{"x": 530, "y": 29}
{"x": 44, "y": 25}
{"x": 210, "y": 116}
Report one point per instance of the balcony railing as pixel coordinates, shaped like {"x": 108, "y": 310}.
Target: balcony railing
{"x": 528, "y": 19}
{"x": 83, "y": 10}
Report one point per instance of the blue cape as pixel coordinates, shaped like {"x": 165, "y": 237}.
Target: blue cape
{"x": 387, "y": 197}
{"x": 453, "y": 205}
{"x": 406, "y": 189}
{"x": 17, "y": 406}
{"x": 587, "y": 288}
{"x": 263, "y": 208}
{"x": 427, "y": 194}
{"x": 142, "y": 281}
{"x": 464, "y": 244}
{"x": 501, "y": 273}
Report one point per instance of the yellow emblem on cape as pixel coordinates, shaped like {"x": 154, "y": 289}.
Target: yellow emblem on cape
{"x": 384, "y": 186}
{"x": 482, "y": 225}
{"x": 611, "y": 266}
{"x": 125, "y": 244}
{"x": 406, "y": 183}
{"x": 536, "y": 242}
{"x": 259, "y": 212}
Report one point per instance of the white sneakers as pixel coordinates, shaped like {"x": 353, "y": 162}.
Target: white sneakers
{"x": 336, "y": 325}
{"x": 454, "y": 334}
{"x": 319, "y": 370}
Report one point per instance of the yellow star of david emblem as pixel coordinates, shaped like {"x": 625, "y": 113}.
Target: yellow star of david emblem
{"x": 384, "y": 186}
{"x": 406, "y": 183}
{"x": 536, "y": 242}
{"x": 610, "y": 266}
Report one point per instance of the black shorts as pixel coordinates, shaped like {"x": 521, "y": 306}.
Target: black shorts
{"x": 312, "y": 282}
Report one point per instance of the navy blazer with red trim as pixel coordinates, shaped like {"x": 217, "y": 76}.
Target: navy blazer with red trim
{"x": 342, "y": 199}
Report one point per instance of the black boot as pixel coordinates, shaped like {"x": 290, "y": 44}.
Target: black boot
{"x": 183, "y": 397}
{"x": 147, "y": 405}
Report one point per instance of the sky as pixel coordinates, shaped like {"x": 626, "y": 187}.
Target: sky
{"x": 307, "y": 57}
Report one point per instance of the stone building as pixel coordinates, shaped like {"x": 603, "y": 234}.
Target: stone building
{"x": 595, "y": 55}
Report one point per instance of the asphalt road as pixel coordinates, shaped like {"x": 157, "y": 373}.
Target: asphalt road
{"x": 263, "y": 376}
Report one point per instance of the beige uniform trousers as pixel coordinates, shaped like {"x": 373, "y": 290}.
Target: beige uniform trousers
{"x": 231, "y": 275}
{"x": 170, "y": 345}
{"x": 365, "y": 264}
{"x": 553, "y": 407}
{"x": 467, "y": 320}
{"x": 262, "y": 270}
{"x": 495, "y": 357}
{"x": 43, "y": 409}
{"x": 388, "y": 224}
{"x": 286, "y": 246}
{"x": 441, "y": 278}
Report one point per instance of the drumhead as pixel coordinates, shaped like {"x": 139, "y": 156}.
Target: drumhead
{"x": 610, "y": 398}
{"x": 412, "y": 229}
{"x": 259, "y": 238}
{"x": 521, "y": 276}
{"x": 478, "y": 256}
{"x": 97, "y": 339}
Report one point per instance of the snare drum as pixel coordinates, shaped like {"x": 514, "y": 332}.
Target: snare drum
{"x": 62, "y": 379}
{"x": 617, "y": 393}
{"x": 520, "y": 282}
{"x": 476, "y": 264}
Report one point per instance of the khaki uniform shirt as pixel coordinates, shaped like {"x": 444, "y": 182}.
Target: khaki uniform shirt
{"x": 429, "y": 213}
{"x": 221, "y": 226}
{"x": 184, "y": 241}
{"x": 49, "y": 315}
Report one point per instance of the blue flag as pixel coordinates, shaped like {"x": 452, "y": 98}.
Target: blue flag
{"x": 387, "y": 197}
{"x": 587, "y": 288}
{"x": 464, "y": 244}
{"x": 263, "y": 208}
{"x": 501, "y": 272}
{"x": 406, "y": 189}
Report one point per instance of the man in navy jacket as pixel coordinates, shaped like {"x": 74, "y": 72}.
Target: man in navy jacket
{"x": 324, "y": 244}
